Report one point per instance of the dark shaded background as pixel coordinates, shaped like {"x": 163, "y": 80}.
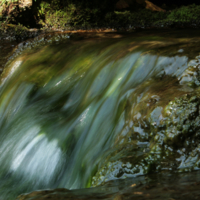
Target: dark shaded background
{"x": 175, "y": 2}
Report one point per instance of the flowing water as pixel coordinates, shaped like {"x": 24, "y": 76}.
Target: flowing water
{"x": 79, "y": 113}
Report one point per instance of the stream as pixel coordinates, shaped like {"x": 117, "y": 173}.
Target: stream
{"x": 106, "y": 113}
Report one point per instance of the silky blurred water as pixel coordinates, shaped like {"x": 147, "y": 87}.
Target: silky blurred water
{"x": 62, "y": 106}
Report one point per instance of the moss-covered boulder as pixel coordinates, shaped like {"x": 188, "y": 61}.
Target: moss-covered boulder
{"x": 169, "y": 140}
{"x": 161, "y": 133}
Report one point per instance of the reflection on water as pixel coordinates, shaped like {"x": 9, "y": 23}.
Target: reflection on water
{"x": 83, "y": 112}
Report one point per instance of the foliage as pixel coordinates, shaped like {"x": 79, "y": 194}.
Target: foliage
{"x": 16, "y": 31}
{"x": 55, "y": 19}
{"x": 7, "y": 1}
{"x": 74, "y": 14}
{"x": 44, "y": 7}
{"x": 77, "y": 16}
{"x": 69, "y": 16}
{"x": 185, "y": 14}
{"x": 126, "y": 18}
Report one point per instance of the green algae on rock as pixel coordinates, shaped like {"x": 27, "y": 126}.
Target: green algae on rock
{"x": 171, "y": 143}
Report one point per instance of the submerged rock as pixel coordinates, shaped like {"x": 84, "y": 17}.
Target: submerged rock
{"x": 163, "y": 186}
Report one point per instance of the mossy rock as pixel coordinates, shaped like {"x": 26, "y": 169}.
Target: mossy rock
{"x": 164, "y": 138}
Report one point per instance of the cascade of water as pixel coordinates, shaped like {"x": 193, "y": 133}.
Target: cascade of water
{"x": 63, "y": 107}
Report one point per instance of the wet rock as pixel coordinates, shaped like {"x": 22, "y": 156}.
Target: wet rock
{"x": 172, "y": 142}
{"x": 191, "y": 76}
{"x": 156, "y": 186}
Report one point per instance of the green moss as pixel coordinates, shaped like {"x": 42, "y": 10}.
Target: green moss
{"x": 7, "y": 2}
{"x": 185, "y": 14}
{"x": 13, "y": 30}
{"x": 172, "y": 145}
{"x": 86, "y": 15}
{"x": 75, "y": 16}
{"x": 158, "y": 137}
{"x": 68, "y": 17}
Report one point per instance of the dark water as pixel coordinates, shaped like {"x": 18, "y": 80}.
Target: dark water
{"x": 163, "y": 186}
{"x": 80, "y": 113}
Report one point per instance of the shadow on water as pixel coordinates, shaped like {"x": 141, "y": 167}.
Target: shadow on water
{"x": 107, "y": 110}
